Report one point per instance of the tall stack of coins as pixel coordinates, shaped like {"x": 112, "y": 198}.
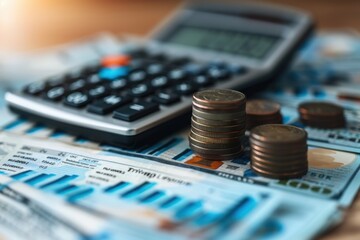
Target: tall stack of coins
{"x": 322, "y": 115}
{"x": 260, "y": 112}
{"x": 279, "y": 151}
{"x": 218, "y": 124}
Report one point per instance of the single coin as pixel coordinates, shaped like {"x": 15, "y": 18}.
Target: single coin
{"x": 236, "y": 134}
{"x": 279, "y": 149}
{"x": 219, "y": 140}
{"x": 275, "y": 164}
{"x": 220, "y": 108}
{"x": 227, "y": 97}
{"x": 294, "y": 160}
{"x": 216, "y": 145}
{"x": 222, "y": 129}
{"x": 262, "y": 107}
{"x": 320, "y": 109}
{"x": 278, "y": 145}
{"x": 224, "y": 151}
{"x": 278, "y": 176}
{"x": 215, "y": 123}
{"x": 279, "y": 156}
{"x": 278, "y": 133}
{"x": 335, "y": 123}
{"x": 280, "y": 169}
{"x": 217, "y": 157}
{"x": 231, "y": 115}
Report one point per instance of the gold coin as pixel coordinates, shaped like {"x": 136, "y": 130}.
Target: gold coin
{"x": 236, "y": 134}
{"x": 216, "y": 123}
{"x": 231, "y": 115}
{"x": 206, "y": 144}
{"x": 211, "y": 97}
{"x": 222, "y": 129}
{"x": 278, "y": 133}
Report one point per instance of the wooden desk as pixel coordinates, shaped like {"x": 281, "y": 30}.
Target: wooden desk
{"x": 32, "y": 24}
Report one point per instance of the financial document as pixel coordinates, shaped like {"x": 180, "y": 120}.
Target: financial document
{"x": 164, "y": 198}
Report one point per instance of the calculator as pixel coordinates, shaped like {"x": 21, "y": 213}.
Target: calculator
{"x": 144, "y": 91}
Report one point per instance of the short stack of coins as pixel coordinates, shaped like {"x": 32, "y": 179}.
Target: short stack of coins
{"x": 279, "y": 151}
{"x": 218, "y": 124}
{"x": 322, "y": 115}
{"x": 260, "y": 112}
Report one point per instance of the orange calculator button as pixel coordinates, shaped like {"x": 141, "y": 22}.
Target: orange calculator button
{"x": 115, "y": 60}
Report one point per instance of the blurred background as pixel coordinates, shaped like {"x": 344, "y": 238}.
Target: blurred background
{"x": 27, "y": 25}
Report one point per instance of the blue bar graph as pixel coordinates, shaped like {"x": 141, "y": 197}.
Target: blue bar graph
{"x": 67, "y": 189}
{"x": 171, "y": 202}
{"x": 80, "y": 195}
{"x": 116, "y": 187}
{"x": 206, "y": 219}
{"x": 57, "y": 182}
{"x": 188, "y": 210}
{"x": 152, "y": 197}
{"x": 138, "y": 190}
{"x": 38, "y": 179}
{"x": 19, "y": 176}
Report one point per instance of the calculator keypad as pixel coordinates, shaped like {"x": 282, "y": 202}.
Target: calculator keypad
{"x": 132, "y": 86}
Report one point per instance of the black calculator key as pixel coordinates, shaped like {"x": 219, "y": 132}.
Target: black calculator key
{"x": 202, "y": 81}
{"x": 97, "y": 92}
{"x": 55, "y": 81}
{"x": 159, "y": 82}
{"x": 118, "y": 84}
{"x": 77, "y": 85}
{"x": 107, "y": 104}
{"x": 55, "y": 94}
{"x": 237, "y": 69}
{"x": 91, "y": 69}
{"x": 218, "y": 73}
{"x": 185, "y": 88}
{"x": 77, "y": 99}
{"x": 141, "y": 90}
{"x": 166, "y": 98}
{"x": 134, "y": 111}
{"x": 137, "y": 76}
{"x": 155, "y": 55}
{"x": 194, "y": 68}
{"x": 177, "y": 75}
{"x": 35, "y": 88}
{"x": 74, "y": 75}
{"x": 93, "y": 79}
{"x": 155, "y": 69}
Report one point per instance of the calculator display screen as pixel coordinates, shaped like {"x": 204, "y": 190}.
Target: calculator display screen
{"x": 251, "y": 45}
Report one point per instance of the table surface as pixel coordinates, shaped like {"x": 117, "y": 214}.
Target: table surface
{"x": 34, "y": 24}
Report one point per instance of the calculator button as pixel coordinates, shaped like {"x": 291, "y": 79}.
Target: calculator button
{"x": 137, "y": 76}
{"x": 97, "y": 92}
{"x": 166, "y": 98}
{"x": 55, "y": 82}
{"x": 155, "y": 55}
{"x": 55, "y": 94}
{"x": 113, "y": 73}
{"x": 134, "y": 111}
{"x": 77, "y": 99}
{"x": 218, "y": 73}
{"x": 177, "y": 75}
{"x": 118, "y": 84}
{"x": 77, "y": 85}
{"x": 107, "y": 104}
{"x": 141, "y": 90}
{"x": 35, "y": 88}
{"x": 73, "y": 76}
{"x": 93, "y": 79}
{"x": 237, "y": 69}
{"x": 185, "y": 89}
{"x": 194, "y": 69}
{"x": 115, "y": 61}
{"x": 159, "y": 82}
{"x": 202, "y": 81}
{"x": 155, "y": 69}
